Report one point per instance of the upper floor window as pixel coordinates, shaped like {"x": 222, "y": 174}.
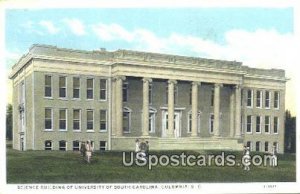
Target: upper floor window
{"x": 212, "y": 97}
{"x": 48, "y": 86}
{"x": 125, "y": 91}
{"x": 90, "y": 88}
{"x": 258, "y": 124}
{"x": 63, "y": 119}
{"x": 190, "y": 95}
{"x": 249, "y": 98}
{"x": 48, "y": 119}
{"x": 276, "y": 100}
{"x": 76, "y": 87}
{"x": 103, "y": 89}
{"x": 103, "y": 120}
{"x": 90, "y": 120}
{"x": 150, "y": 93}
{"x": 211, "y": 123}
{"x": 249, "y": 124}
{"x": 258, "y": 99}
{"x": 267, "y": 99}
{"x": 267, "y": 124}
{"x": 275, "y": 125}
{"x": 77, "y": 119}
{"x": 62, "y": 87}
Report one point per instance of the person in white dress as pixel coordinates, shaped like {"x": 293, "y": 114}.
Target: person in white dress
{"x": 89, "y": 150}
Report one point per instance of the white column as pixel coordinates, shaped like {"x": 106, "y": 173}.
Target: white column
{"x": 217, "y": 109}
{"x": 237, "y": 111}
{"x": 232, "y": 115}
{"x": 194, "y": 108}
{"x": 119, "y": 105}
{"x": 145, "y": 131}
{"x": 171, "y": 107}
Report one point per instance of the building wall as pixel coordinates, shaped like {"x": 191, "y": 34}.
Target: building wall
{"x": 69, "y": 103}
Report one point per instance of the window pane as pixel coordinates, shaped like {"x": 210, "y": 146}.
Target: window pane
{"x": 62, "y": 92}
{"x": 48, "y": 124}
{"x": 103, "y": 115}
{"x": 48, "y": 80}
{"x": 103, "y": 94}
{"x": 89, "y": 83}
{"x": 76, "y": 114}
{"x": 76, "y": 125}
{"x": 89, "y": 115}
{"x": 62, "y": 114}
{"x": 48, "y": 113}
{"x": 76, "y": 82}
{"x": 75, "y": 93}
{"x": 48, "y": 91}
{"x": 62, "y": 124}
{"x": 62, "y": 81}
{"x": 103, "y": 84}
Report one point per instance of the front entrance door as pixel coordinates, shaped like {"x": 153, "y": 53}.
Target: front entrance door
{"x": 177, "y": 131}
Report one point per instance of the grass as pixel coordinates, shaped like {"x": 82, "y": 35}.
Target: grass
{"x": 107, "y": 167}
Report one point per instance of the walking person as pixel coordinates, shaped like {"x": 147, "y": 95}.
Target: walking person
{"x": 89, "y": 150}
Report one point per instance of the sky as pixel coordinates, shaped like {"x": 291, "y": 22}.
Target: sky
{"x": 258, "y": 37}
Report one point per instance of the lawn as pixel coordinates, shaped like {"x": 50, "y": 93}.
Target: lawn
{"x": 107, "y": 167}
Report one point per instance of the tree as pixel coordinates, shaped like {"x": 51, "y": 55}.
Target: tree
{"x": 290, "y": 133}
{"x": 9, "y": 122}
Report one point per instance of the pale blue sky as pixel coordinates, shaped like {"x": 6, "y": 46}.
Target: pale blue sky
{"x": 258, "y": 37}
{"x": 23, "y": 26}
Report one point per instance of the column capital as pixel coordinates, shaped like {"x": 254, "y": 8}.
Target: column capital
{"x": 123, "y": 78}
{"x": 238, "y": 86}
{"x": 218, "y": 85}
{"x": 146, "y": 79}
{"x": 196, "y": 83}
{"x": 172, "y": 81}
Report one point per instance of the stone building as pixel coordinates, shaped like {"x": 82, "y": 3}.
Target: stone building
{"x": 62, "y": 97}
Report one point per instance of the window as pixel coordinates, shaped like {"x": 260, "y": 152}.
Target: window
{"x": 190, "y": 95}
{"x": 275, "y": 147}
{"x": 267, "y": 124}
{"x": 90, "y": 88}
{"x": 267, "y": 99}
{"x": 62, "y": 145}
{"x": 276, "y": 100}
{"x": 151, "y": 122}
{"x": 257, "y": 146}
{"x": 48, "y": 86}
{"x": 249, "y": 145}
{"x": 62, "y": 87}
{"x": 211, "y": 123}
{"x": 103, "y": 145}
{"x": 266, "y": 146}
{"x": 212, "y": 97}
{"x": 76, "y": 119}
{"x": 258, "y": 124}
{"x": 275, "y": 129}
{"x": 90, "y": 120}
{"x": 125, "y": 91}
{"x": 76, "y": 145}
{"x": 167, "y": 93}
{"x": 48, "y": 145}
{"x": 249, "y": 98}
{"x": 190, "y": 122}
{"x": 126, "y": 120}
{"x": 150, "y": 93}
{"x": 249, "y": 124}
{"x": 103, "y": 120}
{"x": 258, "y": 99}
{"x": 48, "y": 119}
{"x": 76, "y": 87}
{"x": 63, "y": 119}
{"x": 103, "y": 88}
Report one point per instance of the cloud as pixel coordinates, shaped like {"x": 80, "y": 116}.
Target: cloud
{"x": 76, "y": 26}
{"x": 49, "y": 26}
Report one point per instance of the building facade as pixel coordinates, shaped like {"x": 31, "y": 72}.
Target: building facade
{"x": 62, "y": 97}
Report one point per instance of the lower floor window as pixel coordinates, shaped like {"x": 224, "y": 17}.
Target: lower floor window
{"x": 249, "y": 145}
{"x": 102, "y": 145}
{"x": 266, "y": 146}
{"x": 75, "y": 145}
{"x": 257, "y": 146}
{"x": 211, "y": 123}
{"x": 62, "y": 145}
{"x": 48, "y": 145}
{"x": 126, "y": 122}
